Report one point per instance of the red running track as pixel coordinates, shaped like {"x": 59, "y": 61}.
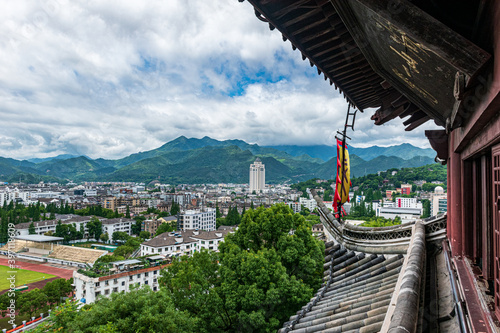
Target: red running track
{"x": 42, "y": 268}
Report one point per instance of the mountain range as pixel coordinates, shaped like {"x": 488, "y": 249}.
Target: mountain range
{"x": 206, "y": 160}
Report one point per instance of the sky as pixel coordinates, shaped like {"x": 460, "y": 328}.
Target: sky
{"x": 111, "y": 78}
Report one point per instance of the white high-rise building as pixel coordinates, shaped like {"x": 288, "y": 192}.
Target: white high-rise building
{"x": 257, "y": 176}
{"x": 198, "y": 219}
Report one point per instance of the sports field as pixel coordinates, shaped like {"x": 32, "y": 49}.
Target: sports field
{"x": 23, "y": 276}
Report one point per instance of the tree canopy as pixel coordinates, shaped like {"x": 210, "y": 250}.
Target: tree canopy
{"x": 264, "y": 272}
{"x": 140, "y": 310}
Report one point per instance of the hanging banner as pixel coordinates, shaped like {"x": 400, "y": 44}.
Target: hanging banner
{"x": 343, "y": 181}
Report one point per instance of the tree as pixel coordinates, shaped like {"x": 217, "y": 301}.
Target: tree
{"x": 120, "y": 236}
{"x": 127, "y": 213}
{"x": 57, "y": 289}
{"x": 304, "y": 211}
{"x": 175, "y": 209}
{"x": 140, "y": 310}
{"x": 136, "y": 227}
{"x": 144, "y": 235}
{"x": 104, "y": 237}
{"x": 94, "y": 227}
{"x": 279, "y": 228}
{"x": 263, "y": 273}
{"x": 233, "y": 217}
{"x": 426, "y": 205}
{"x": 217, "y": 210}
{"x": 124, "y": 251}
{"x": 164, "y": 227}
{"x": 31, "y": 229}
{"x": 32, "y": 301}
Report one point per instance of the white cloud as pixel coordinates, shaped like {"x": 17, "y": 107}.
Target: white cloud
{"x": 108, "y": 79}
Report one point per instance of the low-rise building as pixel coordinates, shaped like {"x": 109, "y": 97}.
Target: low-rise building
{"x": 122, "y": 276}
{"x": 178, "y": 243}
{"x": 152, "y": 225}
{"x": 405, "y": 214}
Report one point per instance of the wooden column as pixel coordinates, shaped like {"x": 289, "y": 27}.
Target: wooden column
{"x": 467, "y": 208}
{"x": 455, "y": 201}
{"x": 487, "y": 223}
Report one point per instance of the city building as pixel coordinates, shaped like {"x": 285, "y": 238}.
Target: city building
{"x": 198, "y": 219}
{"x": 152, "y": 225}
{"x": 257, "y": 177}
{"x": 405, "y": 214}
{"x": 308, "y": 203}
{"x": 179, "y": 243}
{"x": 405, "y": 188}
{"x": 7, "y": 195}
{"x": 439, "y": 201}
{"x": 408, "y": 203}
{"x": 120, "y": 278}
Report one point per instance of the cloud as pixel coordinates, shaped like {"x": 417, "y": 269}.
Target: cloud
{"x": 107, "y": 79}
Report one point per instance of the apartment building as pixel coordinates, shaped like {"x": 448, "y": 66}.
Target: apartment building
{"x": 123, "y": 275}
{"x": 198, "y": 219}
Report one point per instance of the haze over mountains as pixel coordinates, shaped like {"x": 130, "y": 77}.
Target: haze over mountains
{"x": 207, "y": 160}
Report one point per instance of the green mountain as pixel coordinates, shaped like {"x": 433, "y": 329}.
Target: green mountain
{"x": 405, "y": 151}
{"x": 204, "y": 160}
{"x": 202, "y": 165}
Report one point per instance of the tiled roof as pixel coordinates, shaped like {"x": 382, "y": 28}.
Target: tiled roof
{"x": 356, "y": 293}
{"x": 118, "y": 220}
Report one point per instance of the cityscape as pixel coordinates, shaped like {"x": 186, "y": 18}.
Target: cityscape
{"x": 250, "y": 166}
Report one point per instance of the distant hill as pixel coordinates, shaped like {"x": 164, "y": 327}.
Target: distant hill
{"x": 405, "y": 151}
{"x": 58, "y": 157}
{"x": 207, "y": 160}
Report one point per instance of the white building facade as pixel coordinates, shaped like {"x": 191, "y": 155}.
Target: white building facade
{"x": 198, "y": 219}
{"x": 88, "y": 289}
{"x": 257, "y": 176}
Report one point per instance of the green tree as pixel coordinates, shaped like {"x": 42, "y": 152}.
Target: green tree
{"x": 123, "y": 251}
{"x": 217, "y": 210}
{"x": 32, "y": 301}
{"x": 426, "y": 206}
{"x": 127, "y": 213}
{"x": 104, "y": 237}
{"x": 94, "y": 227}
{"x": 31, "y": 229}
{"x": 304, "y": 211}
{"x": 120, "y": 236}
{"x": 57, "y": 289}
{"x": 164, "y": 227}
{"x": 136, "y": 227}
{"x": 144, "y": 234}
{"x": 175, "y": 209}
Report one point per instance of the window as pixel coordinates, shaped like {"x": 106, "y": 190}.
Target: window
{"x": 159, "y": 250}
{"x": 146, "y": 282}
{"x": 115, "y": 281}
{"x": 115, "y": 289}
{"x": 106, "y": 292}
{"x": 97, "y": 293}
{"x": 97, "y": 284}
{"x": 146, "y": 274}
{"x": 138, "y": 276}
{"x": 106, "y": 283}
{"x": 131, "y": 277}
{"x": 155, "y": 272}
{"x": 123, "y": 283}
{"x": 154, "y": 280}
{"x": 155, "y": 288}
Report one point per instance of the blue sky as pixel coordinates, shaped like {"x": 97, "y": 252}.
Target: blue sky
{"x": 107, "y": 79}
